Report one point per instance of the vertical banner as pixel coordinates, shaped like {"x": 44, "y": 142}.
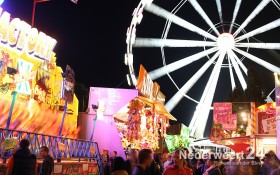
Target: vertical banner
{"x": 216, "y": 132}
{"x": 253, "y": 118}
{"x": 69, "y": 85}
{"x": 266, "y": 119}
{"x": 277, "y": 99}
{"x": 223, "y": 115}
{"x": 23, "y": 77}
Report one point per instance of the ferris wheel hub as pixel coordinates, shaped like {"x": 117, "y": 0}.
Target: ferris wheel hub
{"x": 225, "y": 41}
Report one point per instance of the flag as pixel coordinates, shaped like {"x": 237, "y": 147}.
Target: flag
{"x": 75, "y": 1}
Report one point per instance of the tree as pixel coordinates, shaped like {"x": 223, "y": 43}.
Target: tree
{"x": 253, "y": 93}
{"x": 237, "y": 95}
{"x": 82, "y": 93}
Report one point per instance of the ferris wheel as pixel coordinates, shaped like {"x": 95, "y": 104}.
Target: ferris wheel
{"x": 229, "y": 33}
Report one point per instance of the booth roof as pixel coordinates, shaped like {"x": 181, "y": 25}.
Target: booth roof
{"x": 159, "y": 108}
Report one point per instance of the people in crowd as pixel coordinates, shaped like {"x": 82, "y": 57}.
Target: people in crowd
{"x": 221, "y": 166}
{"x": 200, "y": 166}
{"x": 232, "y": 168}
{"x": 118, "y": 166}
{"x": 264, "y": 167}
{"x": 131, "y": 161}
{"x": 48, "y": 162}
{"x": 271, "y": 162}
{"x": 179, "y": 167}
{"x": 105, "y": 162}
{"x": 275, "y": 171}
{"x": 193, "y": 164}
{"x": 213, "y": 167}
{"x": 187, "y": 160}
{"x": 164, "y": 157}
{"x": 168, "y": 162}
{"x": 156, "y": 167}
{"x": 22, "y": 162}
{"x": 145, "y": 159}
{"x": 256, "y": 164}
{"x": 114, "y": 155}
{"x": 246, "y": 166}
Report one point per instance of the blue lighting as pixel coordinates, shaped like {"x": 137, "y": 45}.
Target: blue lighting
{"x": 1, "y": 1}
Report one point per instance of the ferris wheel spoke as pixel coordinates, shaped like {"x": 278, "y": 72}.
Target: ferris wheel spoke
{"x": 262, "y": 29}
{"x": 154, "y": 42}
{"x": 235, "y": 12}
{"x": 243, "y": 67}
{"x": 259, "y": 61}
{"x": 189, "y": 84}
{"x": 257, "y": 10}
{"x": 203, "y": 108}
{"x": 276, "y": 3}
{"x": 231, "y": 75}
{"x": 237, "y": 70}
{"x": 219, "y": 7}
{"x": 274, "y": 46}
{"x": 200, "y": 11}
{"x": 179, "y": 64}
{"x": 156, "y": 10}
{"x": 273, "y": 53}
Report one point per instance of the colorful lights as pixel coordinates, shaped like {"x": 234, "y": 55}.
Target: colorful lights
{"x": 30, "y": 116}
{"x": 24, "y": 69}
{"x": 18, "y": 34}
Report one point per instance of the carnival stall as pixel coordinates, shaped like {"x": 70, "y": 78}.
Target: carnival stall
{"x": 31, "y": 84}
{"x": 130, "y": 118}
{"x": 242, "y": 127}
{"x": 178, "y": 136}
{"x": 146, "y": 118}
{"x": 141, "y": 124}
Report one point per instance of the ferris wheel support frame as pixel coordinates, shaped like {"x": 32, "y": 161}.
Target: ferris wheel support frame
{"x": 234, "y": 63}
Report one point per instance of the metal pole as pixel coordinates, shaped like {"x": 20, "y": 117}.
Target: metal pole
{"x": 63, "y": 117}
{"x": 277, "y": 100}
{"x": 11, "y": 111}
{"x": 94, "y": 124}
{"x": 33, "y": 12}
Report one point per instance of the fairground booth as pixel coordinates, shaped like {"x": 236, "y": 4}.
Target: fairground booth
{"x": 121, "y": 119}
{"x": 177, "y": 136}
{"x": 242, "y": 127}
{"x": 37, "y": 99}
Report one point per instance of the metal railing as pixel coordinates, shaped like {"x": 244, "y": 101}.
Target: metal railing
{"x": 60, "y": 147}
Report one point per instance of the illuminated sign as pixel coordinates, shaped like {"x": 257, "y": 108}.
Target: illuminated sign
{"x": 24, "y": 76}
{"x": 149, "y": 88}
{"x": 21, "y": 36}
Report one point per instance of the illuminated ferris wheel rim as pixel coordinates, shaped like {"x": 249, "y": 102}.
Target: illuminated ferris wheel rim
{"x": 219, "y": 45}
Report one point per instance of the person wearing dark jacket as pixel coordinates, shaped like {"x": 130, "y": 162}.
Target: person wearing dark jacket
{"x": 132, "y": 161}
{"x": 48, "y": 162}
{"x": 145, "y": 159}
{"x": 213, "y": 168}
{"x": 22, "y": 162}
{"x": 156, "y": 167}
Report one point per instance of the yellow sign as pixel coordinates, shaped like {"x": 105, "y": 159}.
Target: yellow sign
{"x": 22, "y": 37}
{"x": 28, "y": 65}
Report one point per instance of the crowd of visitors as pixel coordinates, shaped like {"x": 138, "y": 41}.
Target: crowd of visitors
{"x": 23, "y": 162}
{"x": 145, "y": 162}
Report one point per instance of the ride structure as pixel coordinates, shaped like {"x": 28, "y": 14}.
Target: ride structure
{"x": 221, "y": 41}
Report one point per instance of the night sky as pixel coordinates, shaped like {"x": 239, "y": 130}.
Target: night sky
{"x": 91, "y": 39}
